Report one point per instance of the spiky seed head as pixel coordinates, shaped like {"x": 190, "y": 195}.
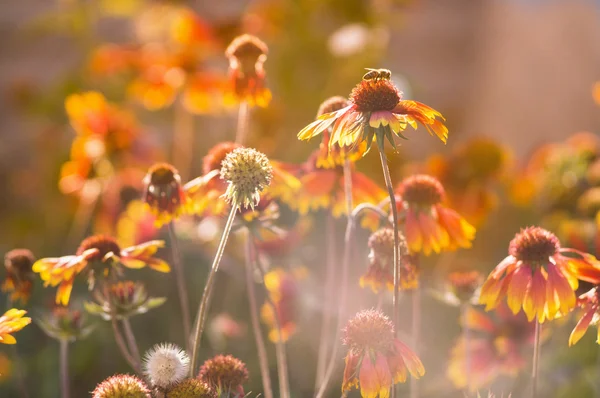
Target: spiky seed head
{"x": 191, "y": 388}
{"x": 224, "y": 372}
{"x": 121, "y": 386}
{"x": 165, "y": 365}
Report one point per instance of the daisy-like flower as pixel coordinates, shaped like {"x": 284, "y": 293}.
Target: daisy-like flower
{"x": 283, "y": 292}
{"x": 500, "y": 344}
{"x": 63, "y": 323}
{"x": 121, "y": 385}
{"x": 19, "y": 276}
{"x": 12, "y": 321}
{"x": 430, "y": 226}
{"x": 192, "y": 388}
{"x": 125, "y": 298}
{"x": 380, "y": 273}
{"x": 97, "y": 254}
{"x": 164, "y": 193}
{"x": 376, "y": 359}
{"x": 538, "y": 276}
{"x": 166, "y": 365}
{"x": 589, "y": 303}
{"x": 226, "y": 374}
{"x": 376, "y": 111}
{"x": 247, "y": 55}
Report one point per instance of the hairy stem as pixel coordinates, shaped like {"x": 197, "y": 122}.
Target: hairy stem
{"x": 181, "y": 286}
{"x": 206, "y": 296}
{"x": 64, "y": 368}
{"x": 242, "y": 123}
{"x": 131, "y": 341}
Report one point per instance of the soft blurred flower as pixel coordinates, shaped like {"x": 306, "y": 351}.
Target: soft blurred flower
{"x": 377, "y": 111}
{"x": 226, "y": 374}
{"x": 282, "y": 287}
{"x": 121, "y": 385}
{"x": 353, "y": 39}
{"x": 224, "y": 327}
{"x": 589, "y": 303}
{"x": 136, "y": 224}
{"x": 10, "y": 322}
{"x": 97, "y": 254}
{"x": 430, "y": 226}
{"x": 63, "y": 323}
{"x": 191, "y": 388}
{"x": 538, "y": 276}
{"x": 164, "y": 194}
{"x": 19, "y": 275}
{"x": 166, "y": 365}
{"x": 246, "y": 55}
{"x": 500, "y": 344}
{"x": 125, "y": 298}
{"x": 462, "y": 287}
{"x": 6, "y": 368}
{"x": 376, "y": 360}
{"x": 380, "y": 272}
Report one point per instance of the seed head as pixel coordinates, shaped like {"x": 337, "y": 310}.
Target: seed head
{"x": 125, "y": 298}
{"x": 64, "y": 323}
{"x": 191, "y": 388}
{"x": 214, "y": 158}
{"x": 224, "y": 373}
{"x": 332, "y": 104}
{"x": 369, "y": 330}
{"x": 534, "y": 245}
{"x": 121, "y": 386}
{"x": 371, "y": 96}
{"x": 421, "y": 190}
{"x": 247, "y": 172}
{"x": 18, "y": 262}
{"x": 166, "y": 364}
{"x": 381, "y": 243}
{"x": 104, "y": 244}
{"x": 245, "y": 52}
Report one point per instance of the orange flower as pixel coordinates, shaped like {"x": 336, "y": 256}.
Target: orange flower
{"x": 164, "y": 194}
{"x": 283, "y": 291}
{"x": 247, "y": 55}
{"x": 429, "y": 226}
{"x": 499, "y": 345}
{"x": 19, "y": 276}
{"x": 462, "y": 287}
{"x": 381, "y": 259}
{"x": 539, "y": 276}
{"x": 96, "y": 254}
{"x": 12, "y": 321}
{"x": 136, "y": 225}
{"x": 589, "y": 303}
{"x": 376, "y": 111}
{"x": 376, "y": 360}
{"x": 203, "y": 92}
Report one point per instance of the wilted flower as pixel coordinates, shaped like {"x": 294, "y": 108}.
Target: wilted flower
{"x": 247, "y": 55}
{"x": 191, "y": 388}
{"x": 590, "y": 306}
{"x": 125, "y": 298}
{"x": 429, "y": 226}
{"x": 500, "y": 344}
{"x": 226, "y": 374}
{"x": 247, "y": 172}
{"x": 63, "y": 323}
{"x": 380, "y": 273}
{"x": 282, "y": 287}
{"x": 12, "y": 321}
{"x": 164, "y": 193}
{"x": 19, "y": 276}
{"x": 376, "y": 359}
{"x": 538, "y": 276}
{"x": 376, "y": 111}
{"x": 121, "y": 386}
{"x": 166, "y": 365}
{"x": 96, "y": 254}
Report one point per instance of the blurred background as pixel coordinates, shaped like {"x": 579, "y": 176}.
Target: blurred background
{"x": 517, "y": 74}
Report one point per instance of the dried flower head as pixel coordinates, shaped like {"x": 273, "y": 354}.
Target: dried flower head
{"x": 63, "y": 323}
{"x": 224, "y": 373}
{"x": 166, "y": 364}
{"x": 19, "y": 274}
{"x": 164, "y": 193}
{"x": 191, "y": 388}
{"x": 121, "y": 386}
{"x": 12, "y": 321}
{"x": 126, "y": 298}
{"x": 246, "y": 55}
{"x": 421, "y": 190}
{"x": 248, "y": 172}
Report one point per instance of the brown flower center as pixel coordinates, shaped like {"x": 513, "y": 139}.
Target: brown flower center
{"x": 369, "y": 330}
{"x": 224, "y": 371}
{"x": 421, "y": 190}
{"x": 373, "y": 96}
{"x": 246, "y": 47}
{"x": 19, "y": 261}
{"x": 534, "y": 245}
{"x": 332, "y": 104}
{"x": 104, "y": 244}
{"x": 214, "y": 157}
{"x": 163, "y": 188}
{"x": 163, "y": 174}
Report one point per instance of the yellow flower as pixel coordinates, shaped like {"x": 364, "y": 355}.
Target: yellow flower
{"x": 12, "y": 321}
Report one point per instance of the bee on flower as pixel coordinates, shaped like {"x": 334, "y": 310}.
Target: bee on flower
{"x": 97, "y": 255}
{"x": 376, "y": 360}
{"x": 19, "y": 275}
{"x": 11, "y": 322}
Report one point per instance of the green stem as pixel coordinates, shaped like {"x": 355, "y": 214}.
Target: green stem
{"x": 181, "y": 286}
{"x": 206, "y": 296}
{"x": 118, "y": 336}
{"x": 64, "y": 368}
{"x": 131, "y": 341}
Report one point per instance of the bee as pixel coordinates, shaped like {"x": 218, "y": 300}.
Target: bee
{"x": 377, "y": 74}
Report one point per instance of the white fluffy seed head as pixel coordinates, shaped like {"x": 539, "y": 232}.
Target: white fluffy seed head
{"x": 166, "y": 364}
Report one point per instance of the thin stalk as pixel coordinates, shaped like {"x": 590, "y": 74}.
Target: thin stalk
{"x": 131, "y": 341}
{"x": 118, "y": 336}
{"x": 242, "y": 123}
{"x": 466, "y": 307}
{"x": 598, "y": 370}
{"x": 206, "y": 296}
{"x": 258, "y": 337}
{"x": 416, "y": 334}
{"x": 64, "y": 368}
{"x": 183, "y": 140}
{"x": 328, "y": 296}
{"x": 83, "y": 214}
{"x": 348, "y": 235}
{"x": 536, "y": 359}
{"x": 282, "y": 367}
{"x": 181, "y": 286}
